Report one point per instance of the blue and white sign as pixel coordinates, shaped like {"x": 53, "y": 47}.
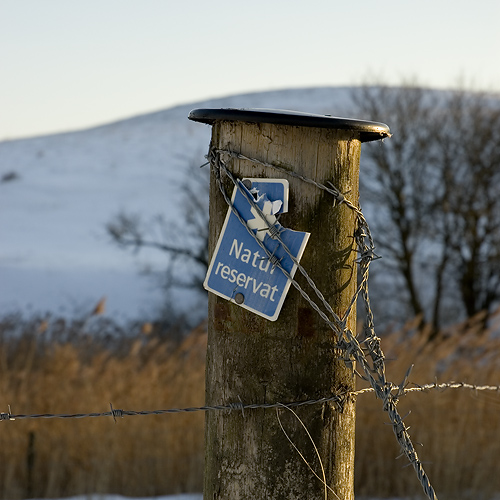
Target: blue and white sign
{"x": 240, "y": 270}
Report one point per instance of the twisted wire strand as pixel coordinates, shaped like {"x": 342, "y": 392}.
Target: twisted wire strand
{"x": 219, "y": 165}
{"x": 337, "y": 399}
{"x": 347, "y": 341}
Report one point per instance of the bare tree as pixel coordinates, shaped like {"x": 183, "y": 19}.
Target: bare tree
{"x": 433, "y": 194}
{"x": 395, "y": 182}
{"x": 184, "y": 243}
{"x": 468, "y": 158}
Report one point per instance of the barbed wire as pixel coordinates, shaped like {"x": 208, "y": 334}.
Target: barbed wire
{"x": 367, "y": 353}
{"x": 240, "y": 406}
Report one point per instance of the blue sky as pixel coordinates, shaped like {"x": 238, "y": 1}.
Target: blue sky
{"x": 70, "y": 64}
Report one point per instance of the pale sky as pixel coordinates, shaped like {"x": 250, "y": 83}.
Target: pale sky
{"x": 71, "y": 64}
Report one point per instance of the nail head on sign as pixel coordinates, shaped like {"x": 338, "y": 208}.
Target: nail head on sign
{"x": 239, "y": 298}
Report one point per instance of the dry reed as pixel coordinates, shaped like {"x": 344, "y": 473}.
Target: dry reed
{"x": 459, "y": 429}
{"x": 47, "y": 367}
{"x": 140, "y": 456}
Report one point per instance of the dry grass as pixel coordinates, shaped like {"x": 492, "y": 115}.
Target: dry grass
{"x": 55, "y": 369}
{"x": 458, "y": 428}
{"x": 143, "y": 455}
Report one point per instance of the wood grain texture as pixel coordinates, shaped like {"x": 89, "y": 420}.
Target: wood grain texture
{"x": 293, "y": 358}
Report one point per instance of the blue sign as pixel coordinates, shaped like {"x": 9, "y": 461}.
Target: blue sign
{"x": 240, "y": 270}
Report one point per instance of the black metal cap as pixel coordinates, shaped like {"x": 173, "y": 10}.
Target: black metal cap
{"x": 368, "y": 131}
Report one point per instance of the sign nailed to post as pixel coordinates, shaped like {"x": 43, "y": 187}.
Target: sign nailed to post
{"x": 241, "y": 271}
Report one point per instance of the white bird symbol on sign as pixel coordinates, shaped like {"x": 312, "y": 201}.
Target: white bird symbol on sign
{"x": 269, "y": 208}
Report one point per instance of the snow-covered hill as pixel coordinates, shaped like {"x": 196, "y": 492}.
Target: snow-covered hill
{"x": 57, "y": 193}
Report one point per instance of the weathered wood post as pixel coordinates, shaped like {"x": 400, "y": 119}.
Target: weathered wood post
{"x": 254, "y": 360}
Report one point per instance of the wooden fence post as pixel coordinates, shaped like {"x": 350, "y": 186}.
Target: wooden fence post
{"x": 248, "y": 455}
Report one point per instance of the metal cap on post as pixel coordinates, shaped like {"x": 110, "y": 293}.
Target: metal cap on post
{"x": 368, "y": 130}
{"x": 294, "y": 358}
